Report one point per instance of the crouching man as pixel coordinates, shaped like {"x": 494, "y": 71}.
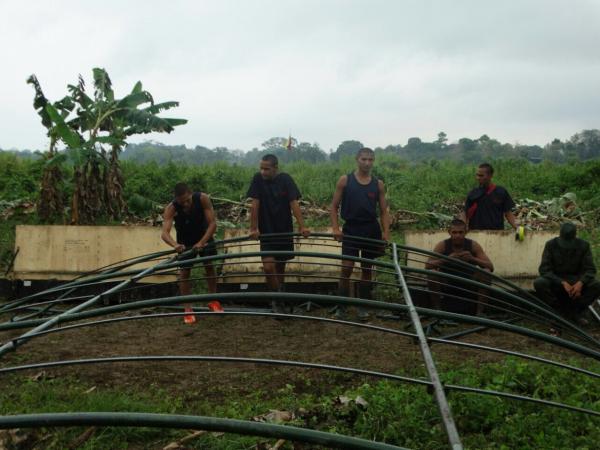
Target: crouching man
{"x": 567, "y": 279}
{"x": 458, "y": 246}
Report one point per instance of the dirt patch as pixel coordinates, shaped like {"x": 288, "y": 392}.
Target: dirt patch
{"x": 255, "y": 337}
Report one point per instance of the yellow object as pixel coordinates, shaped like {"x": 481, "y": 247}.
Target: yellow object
{"x": 520, "y": 236}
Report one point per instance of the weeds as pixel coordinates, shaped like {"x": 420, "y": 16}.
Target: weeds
{"x": 396, "y": 413}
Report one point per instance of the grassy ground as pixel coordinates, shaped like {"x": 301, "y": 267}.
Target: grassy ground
{"x": 395, "y": 413}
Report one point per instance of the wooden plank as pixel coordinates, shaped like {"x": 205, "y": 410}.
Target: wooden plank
{"x": 64, "y": 252}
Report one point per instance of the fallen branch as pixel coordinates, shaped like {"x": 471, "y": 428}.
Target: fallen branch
{"x": 82, "y": 438}
{"x": 179, "y": 443}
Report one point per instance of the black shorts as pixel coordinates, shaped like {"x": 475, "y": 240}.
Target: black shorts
{"x": 277, "y": 244}
{"x": 368, "y": 250}
{"x": 209, "y": 250}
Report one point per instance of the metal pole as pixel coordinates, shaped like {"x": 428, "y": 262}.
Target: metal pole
{"x": 438, "y": 389}
{"x": 245, "y": 427}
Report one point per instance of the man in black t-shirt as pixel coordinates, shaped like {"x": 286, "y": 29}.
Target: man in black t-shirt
{"x": 359, "y": 193}
{"x": 487, "y": 205}
{"x": 274, "y": 199}
{"x": 194, "y": 219}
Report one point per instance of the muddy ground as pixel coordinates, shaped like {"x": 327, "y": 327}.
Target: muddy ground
{"x": 255, "y": 337}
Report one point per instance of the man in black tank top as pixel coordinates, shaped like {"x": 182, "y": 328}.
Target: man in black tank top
{"x": 194, "y": 219}
{"x": 359, "y": 194}
{"x": 465, "y": 250}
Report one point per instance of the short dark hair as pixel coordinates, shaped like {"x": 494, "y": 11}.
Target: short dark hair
{"x": 488, "y": 167}
{"x": 365, "y": 150}
{"x": 271, "y": 159}
{"x": 181, "y": 189}
{"x": 456, "y": 222}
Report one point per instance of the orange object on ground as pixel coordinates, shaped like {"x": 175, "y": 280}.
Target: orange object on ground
{"x": 215, "y": 306}
{"x": 189, "y": 317}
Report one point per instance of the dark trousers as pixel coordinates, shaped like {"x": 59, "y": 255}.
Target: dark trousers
{"x": 553, "y": 293}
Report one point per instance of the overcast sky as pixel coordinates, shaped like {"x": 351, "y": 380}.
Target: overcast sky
{"x": 375, "y": 71}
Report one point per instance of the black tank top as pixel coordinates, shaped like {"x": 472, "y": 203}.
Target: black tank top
{"x": 359, "y": 201}
{"x": 190, "y": 227}
{"x": 448, "y": 246}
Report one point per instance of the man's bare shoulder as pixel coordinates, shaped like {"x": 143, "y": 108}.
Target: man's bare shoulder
{"x": 439, "y": 247}
{"x": 342, "y": 181}
{"x": 170, "y": 210}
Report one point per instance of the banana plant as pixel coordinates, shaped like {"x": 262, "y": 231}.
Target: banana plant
{"x": 95, "y": 130}
{"x": 51, "y": 204}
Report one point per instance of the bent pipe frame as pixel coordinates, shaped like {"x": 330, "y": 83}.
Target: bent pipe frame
{"x": 244, "y": 427}
{"x": 224, "y": 242}
{"x": 519, "y": 313}
{"x": 518, "y": 316}
{"x": 375, "y": 263}
{"x": 192, "y": 262}
{"x": 447, "y": 340}
{"x": 107, "y": 271}
{"x": 468, "y": 266}
{"x": 218, "y": 244}
{"x": 74, "y": 283}
{"x": 301, "y": 364}
{"x": 381, "y": 264}
{"x": 544, "y": 311}
{"x": 376, "y": 282}
{"x": 286, "y": 296}
{"x": 515, "y": 310}
{"x": 150, "y": 286}
{"x": 9, "y": 346}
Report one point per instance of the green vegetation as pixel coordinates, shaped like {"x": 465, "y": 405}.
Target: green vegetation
{"x": 94, "y": 131}
{"x": 396, "y": 413}
{"x": 434, "y": 186}
{"x": 420, "y": 187}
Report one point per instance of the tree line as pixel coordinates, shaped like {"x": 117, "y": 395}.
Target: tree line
{"x": 582, "y": 146}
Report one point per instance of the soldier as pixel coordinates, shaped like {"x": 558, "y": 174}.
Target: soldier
{"x": 567, "y": 274}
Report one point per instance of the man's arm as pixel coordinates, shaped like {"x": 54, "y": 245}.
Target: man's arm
{"x": 297, "y": 212}
{"x": 209, "y": 216}
{"x": 546, "y": 268}
{"x": 588, "y": 272}
{"x": 254, "y": 207}
{"x": 335, "y": 206}
{"x": 480, "y": 258}
{"x": 463, "y": 214}
{"x": 434, "y": 263}
{"x": 588, "y": 267}
{"x": 510, "y": 217}
{"x": 167, "y": 225}
{"x": 384, "y": 213}
{"x": 508, "y": 206}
